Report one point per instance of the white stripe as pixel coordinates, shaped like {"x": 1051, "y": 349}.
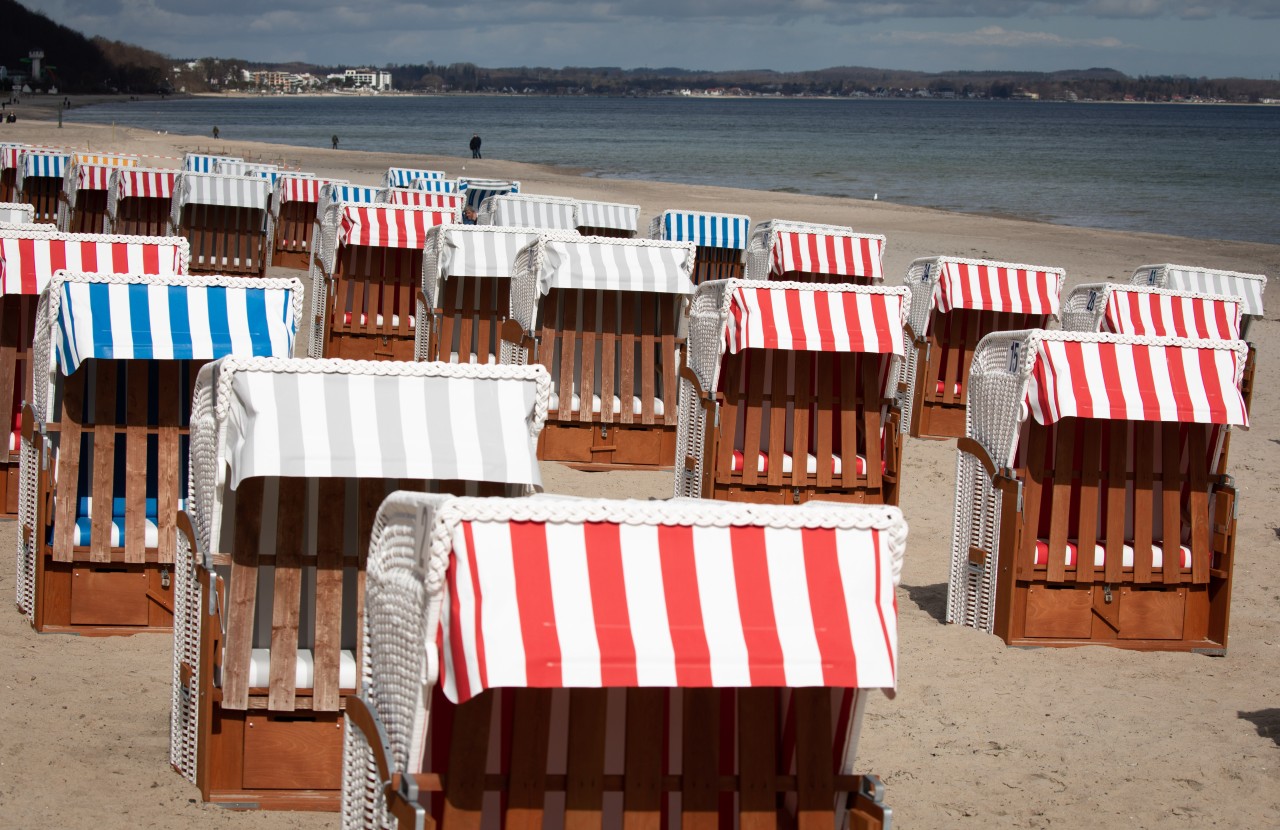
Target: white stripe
{"x": 1196, "y": 381}
{"x": 464, "y": 429}
{"x": 82, "y": 339}
{"x": 313, "y": 431}
{"x": 793, "y": 615}
{"x": 520, "y": 459}
{"x": 1097, "y": 383}
{"x": 500, "y": 622}
{"x": 365, "y": 438}
{"x": 161, "y": 327}
{"x": 198, "y": 314}
{"x": 857, "y": 559}
{"x": 1163, "y": 383}
{"x": 647, "y": 605}
{"x": 721, "y": 618}
{"x": 571, "y": 599}
{"x": 121, "y": 328}
{"x": 810, "y": 336}
{"x": 238, "y": 322}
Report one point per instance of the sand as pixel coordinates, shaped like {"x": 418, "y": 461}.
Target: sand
{"x": 979, "y": 734}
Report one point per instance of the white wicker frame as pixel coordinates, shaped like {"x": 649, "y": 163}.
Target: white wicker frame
{"x": 708, "y": 317}
{"x": 208, "y": 481}
{"x": 1086, "y": 306}
{"x": 23, "y": 208}
{"x": 1160, "y": 276}
{"x": 922, "y": 278}
{"x": 405, "y": 579}
{"x": 759, "y": 256}
{"x": 39, "y": 452}
{"x": 1002, "y": 367}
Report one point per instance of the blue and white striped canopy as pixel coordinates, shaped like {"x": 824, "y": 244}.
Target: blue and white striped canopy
{"x": 405, "y": 176}
{"x": 45, "y": 163}
{"x": 353, "y": 193}
{"x": 120, "y": 321}
{"x": 478, "y": 190}
{"x": 434, "y": 185}
{"x": 711, "y": 230}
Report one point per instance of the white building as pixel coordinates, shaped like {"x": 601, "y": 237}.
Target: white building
{"x": 371, "y": 78}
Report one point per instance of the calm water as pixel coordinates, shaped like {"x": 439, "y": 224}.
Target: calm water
{"x": 1201, "y": 171}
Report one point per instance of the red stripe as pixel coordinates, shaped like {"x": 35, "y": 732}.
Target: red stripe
{"x": 120, "y": 257}
{"x": 829, "y": 607}
{"x": 684, "y": 607}
{"x": 768, "y": 327}
{"x": 795, "y": 319}
{"x": 1173, "y": 357}
{"x": 456, "y": 647}
{"x": 609, "y": 602}
{"x": 884, "y": 327}
{"x": 1086, "y": 406}
{"x": 1015, "y": 291}
{"x": 27, "y": 265}
{"x": 986, "y": 276}
{"x": 537, "y": 612}
{"x": 755, "y": 606}
{"x": 822, "y": 313}
{"x": 812, "y": 263}
{"x": 1214, "y": 384}
{"x": 1146, "y": 382}
{"x": 1047, "y": 383}
{"x": 1110, "y": 362}
{"x": 853, "y": 321}
{"x": 58, "y": 257}
{"x": 1200, "y": 310}
{"x": 870, "y": 256}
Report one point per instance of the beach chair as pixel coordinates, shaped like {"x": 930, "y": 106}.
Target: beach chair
{"x": 1116, "y": 308}
{"x": 140, "y": 200}
{"x": 1105, "y": 444}
{"x": 17, "y": 213}
{"x": 205, "y": 162}
{"x": 477, "y": 190}
{"x": 332, "y": 194}
{"x": 629, "y": 691}
{"x": 805, "y": 252}
{"x": 419, "y": 197}
{"x": 39, "y": 181}
{"x": 516, "y": 210}
{"x": 29, "y": 256}
{"x": 434, "y": 185}
{"x": 270, "y": 172}
{"x": 1248, "y": 287}
{"x": 293, "y": 218}
{"x": 956, "y": 302}
{"x": 608, "y": 219}
{"x": 606, "y": 318}
{"x": 406, "y": 176}
{"x": 290, "y": 461}
{"x": 105, "y": 439}
{"x": 784, "y": 371}
{"x": 365, "y": 280}
{"x": 224, "y": 218}
{"x": 82, "y": 207}
{"x": 721, "y": 239}
{"x": 10, "y": 152}
{"x": 466, "y": 291}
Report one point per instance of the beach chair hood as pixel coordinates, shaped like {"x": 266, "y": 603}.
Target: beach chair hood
{"x": 295, "y": 186}
{"x": 29, "y": 257}
{"x": 406, "y": 176}
{"x": 360, "y": 419}
{"x": 706, "y": 230}
{"x": 950, "y": 283}
{"x": 253, "y": 192}
{"x": 477, "y": 190}
{"x": 205, "y": 163}
{"x": 1248, "y": 287}
{"x": 1158, "y": 312}
{"x": 50, "y": 164}
{"x": 92, "y": 172}
{"x": 608, "y": 215}
{"x": 528, "y": 211}
{"x": 138, "y": 183}
{"x": 779, "y": 246}
{"x": 434, "y": 186}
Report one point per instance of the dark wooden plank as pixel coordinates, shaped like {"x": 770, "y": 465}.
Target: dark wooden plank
{"x": 803, "y": 397}
{"x": 777, "y": 402}
{"x": 1091, "y": 467}
{"x": 104, "y": 459}
{"x": 700, "y": 743}
{"x": 757, "y": 754}
{"x": 872, "y": 425}
{"x": 1171, "y": 502}
{"x": 328, "y": 617}
{"x": 642, "y": 788}
{"x": 627, "y": 354}
{"x": 825, "y": 415}
{"x": 584, "y": 789}
{"x": 850, "y": 404}
{"x": 1117, "y": 498}
{"x": 137, "y": 389}
{"x": 669, "y": 358}
{"x": 756, "y": 379}
{"x": 1060, "y": 510}
{"x": 1198, "y": 501}
{"x": 287, "y": 593}
{"x": 1143, "y": 494}
{"x": 568, "y": 337}
{"x": 608, "y": 352}
{"x": 468, "y": 753}
{"x": 529, "y": 736}
{"x": 242, "y": 595}
{"x": 172, "y": 426}
{"x": 649, "y": 342}
{"x": 1037, "y": 444}
{"x": 720, "y": 467}
{"x": 68, "y": 461}
{"x": 815, "y": 775}
{"x": 587, "y": 370}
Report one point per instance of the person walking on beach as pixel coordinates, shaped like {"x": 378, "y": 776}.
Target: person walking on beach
{"x": 215, "y": 131}
{"x": 335, "y": 141}
{"x": 475, "y": 146}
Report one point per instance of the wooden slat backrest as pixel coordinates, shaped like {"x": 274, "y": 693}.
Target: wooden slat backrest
{"x": 371, "y": 282}
{"x": 1143, "y": 483}
{"x": 17, "y": 333}
{"x": 751, "y": 757}
{"x": 801, "y": 404}
{"x": 41, "y": 192}
{"x": 90, "y": 212}
{"x": 618, "y": 346}
{"x": 142, "y": 216}
{"x": 125, "y": 440}
{"x": 470, "y": 312}
{"x": 952, "y": 338}
{"x": 294, "y": 225}
{"x": 716, "y": 264}
{"x": 225, "y": 239}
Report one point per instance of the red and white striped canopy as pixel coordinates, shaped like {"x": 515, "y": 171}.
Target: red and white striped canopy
{"x": 998, "y": 287}
{"x": 815, "y": 318}
{"x": 1105, "y": 376}
{"x": 28, "y": 262}
{"x": 300, "y": 188}
{"x": 93, "y": 176}
{"x": 145, "y": 184}
{"x": 1132, "y": 310}
{"x": 451, "y": 202}
{"x": 820, "y": 253}
{"x": 387, "y": 226}
{"x": 618, "y": 604}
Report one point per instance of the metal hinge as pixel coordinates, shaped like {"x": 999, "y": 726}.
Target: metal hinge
{"x": 795, "y": 495}
{"x": 1106, "y": 594}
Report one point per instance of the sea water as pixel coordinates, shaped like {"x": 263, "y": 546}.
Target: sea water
{"x": 1207, "y": 171}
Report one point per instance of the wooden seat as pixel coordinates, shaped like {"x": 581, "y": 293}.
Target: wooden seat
{"x": 605, "y": 318}
{"x": 1111, "y": 531}
{"x": 721, "y": 239}
{"x": 783, "y": 411}
{"x": 39, "y": 182}
{"x": 268, "y": 628}
{"x": 224, "y": 218}
{"x": 466, "y": 291}
{"x": 584, "y": 712}
{"x": 954, "y": 304}
{"x": 805, "y": 252}
{"x": 365, "y": 280}
{"x": 105, "y": 440}
{"x": 30, "y": 256}
{"x": 608, "y": 219}
{"x": 140, "y": 200}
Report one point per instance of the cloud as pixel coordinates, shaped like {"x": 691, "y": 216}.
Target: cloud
{"x": 999, "y": 37}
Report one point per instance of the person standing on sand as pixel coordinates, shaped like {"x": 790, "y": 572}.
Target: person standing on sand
{"x": 475, "y": 146}
{"x": 215, "y": 131}
{"x": 335, "y": 141}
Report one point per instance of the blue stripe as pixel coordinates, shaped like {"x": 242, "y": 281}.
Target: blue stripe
{"x": 180, "y": 322}
{"x": 140, "y": 321}
{"x": 219, "y": 325}
{"x": 259, "y": 336}
{"x": 100, "y": 306}
{"x": 68, "y": 314}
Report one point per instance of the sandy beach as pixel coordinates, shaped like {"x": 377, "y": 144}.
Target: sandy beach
{"x": 979, "y": 735}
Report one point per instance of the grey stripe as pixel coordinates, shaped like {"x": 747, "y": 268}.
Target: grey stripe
{"x": 336, "y": 413}
{"x": 440, "y": 436}
{"x": 600, "y": 267}
{"x": 493, "y": 459}
{"x": 289, "y": 407}
{"x": 386, "y": 416}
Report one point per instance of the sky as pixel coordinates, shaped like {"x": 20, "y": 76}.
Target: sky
{"x": 1214, "y": 38}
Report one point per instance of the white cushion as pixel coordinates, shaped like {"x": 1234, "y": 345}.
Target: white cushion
{"x": 305, "y": 674}
{"x": 637, "y": 407}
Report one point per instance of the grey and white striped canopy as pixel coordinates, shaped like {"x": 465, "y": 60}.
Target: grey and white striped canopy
{"x": 608, "y": 215}
{"x": 214, "y": 189}
{"x": 614, "y": 264}
{"x": 524, "y": 211}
